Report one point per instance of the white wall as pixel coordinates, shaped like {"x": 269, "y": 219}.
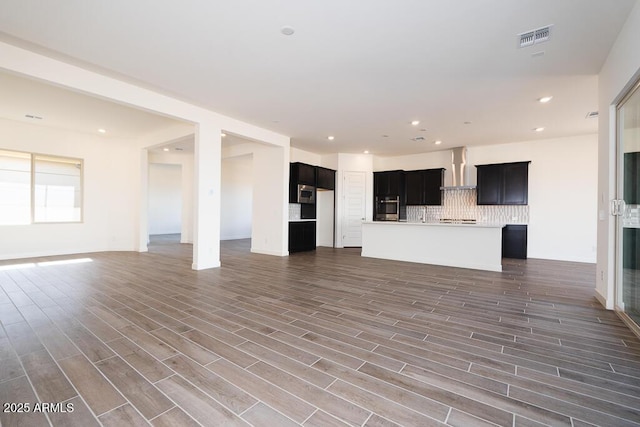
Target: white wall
{"x": 297, "y": 155}
{"x": 619, "y": 72}
{"x": 110, "y": 185}
{"x": 165, "y": 198}
{"x": 185, "y": 162}
{"x": 236, "y": 198}
{"x": 432, "y": 160}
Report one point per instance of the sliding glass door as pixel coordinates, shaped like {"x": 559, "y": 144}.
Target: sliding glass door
{"x": 628, "y": 219}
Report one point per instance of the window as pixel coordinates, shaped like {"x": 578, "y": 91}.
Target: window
{"x": 15, "y": 188}
{"x": 37, "y": 188}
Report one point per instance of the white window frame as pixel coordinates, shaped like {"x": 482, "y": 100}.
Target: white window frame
{"x": 32, "y": 185}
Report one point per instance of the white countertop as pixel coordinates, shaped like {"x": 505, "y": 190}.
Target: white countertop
{"x": 437, "y": 224}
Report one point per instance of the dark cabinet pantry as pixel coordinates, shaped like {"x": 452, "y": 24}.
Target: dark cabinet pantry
{"x": 302, "y": 236}
{"x": 300, "y": 174}
{"x": 503, "y": 184}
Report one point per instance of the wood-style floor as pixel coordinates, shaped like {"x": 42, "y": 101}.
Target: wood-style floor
{"x": 325, "y": 338}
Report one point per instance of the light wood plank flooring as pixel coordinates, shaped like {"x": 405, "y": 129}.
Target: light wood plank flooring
{"x": 325, "y": 338}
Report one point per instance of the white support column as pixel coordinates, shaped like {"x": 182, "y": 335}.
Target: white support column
{"x": 270, "y": 217}
{"x": 206, "y": 198}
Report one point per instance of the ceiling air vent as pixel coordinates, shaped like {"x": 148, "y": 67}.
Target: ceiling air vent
{"x": 591, "y": 115}
{"x": 532, "y": 37}
{"x": 418, "y": 138}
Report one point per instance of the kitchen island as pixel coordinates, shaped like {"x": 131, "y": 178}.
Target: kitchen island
{"x": 477, "y": 246}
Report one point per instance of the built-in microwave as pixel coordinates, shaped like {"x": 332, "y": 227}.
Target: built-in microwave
{"x": 387, "y": 208}
{"x": 306, "y": 194}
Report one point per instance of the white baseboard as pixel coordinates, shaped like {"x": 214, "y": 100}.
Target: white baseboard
{"x": 266, "y": 252}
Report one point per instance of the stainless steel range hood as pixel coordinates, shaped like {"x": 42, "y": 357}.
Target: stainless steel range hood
{"x": 459, "y": 170}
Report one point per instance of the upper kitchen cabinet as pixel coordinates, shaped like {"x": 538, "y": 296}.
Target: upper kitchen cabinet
{"x": 423, "y": 186}
{"x": 503, "y": 184}
{"x": 388, "y": 183}
{"x": 326, "y": 178}
{"x": 301, "y": 173}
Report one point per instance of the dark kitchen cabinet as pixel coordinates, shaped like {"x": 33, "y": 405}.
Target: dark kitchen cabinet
{"x": 306, "y": 174}
{"x": 326, "y": 178}
{"x": 414, "y": 183}
{"x": 489, "y": 185}
{"x": 302, "y": 236}
{"x": 630, "y": 248}
{"x": 423, "y": 186}
{"x": 503, "y": 184}
{"x": 516, "y": 183}
{"x": 300, "y": 173}
{"x": 388, "y": 183}
{"x": 514, "y": 241}
{"x": 631, "y": 178}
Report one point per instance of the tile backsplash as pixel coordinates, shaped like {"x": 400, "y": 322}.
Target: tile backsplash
{"x": 294, "y": 212}
{"x": 461, "y": 204}
{"x": 631, "y": 216}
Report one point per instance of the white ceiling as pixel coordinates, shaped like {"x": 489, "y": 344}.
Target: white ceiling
{"x": 39, "y": 103}
{"x": 356, "y": 69}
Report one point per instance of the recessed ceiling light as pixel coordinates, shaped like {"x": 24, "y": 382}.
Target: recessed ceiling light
{"x": 102, "y": 131}
{"x": 437, "y": 142}
{"x": 545, "y": 99}
{"x": 331, "y": 137}
{"x": 366, "y": 151}
{"x": 222, "y": 134}
{"x": 415, "y": 122}
{"x": 538, "y": 129}
{"x": 165, "y": 149}
{"x": 287, "y": 31}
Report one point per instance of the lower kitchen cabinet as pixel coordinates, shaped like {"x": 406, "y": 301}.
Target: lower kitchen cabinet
{"x": 514, "y": 241}
{"x": 302, "y": 236}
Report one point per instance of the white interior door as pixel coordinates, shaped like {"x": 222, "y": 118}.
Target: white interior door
{"x": 353, "y": 208}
